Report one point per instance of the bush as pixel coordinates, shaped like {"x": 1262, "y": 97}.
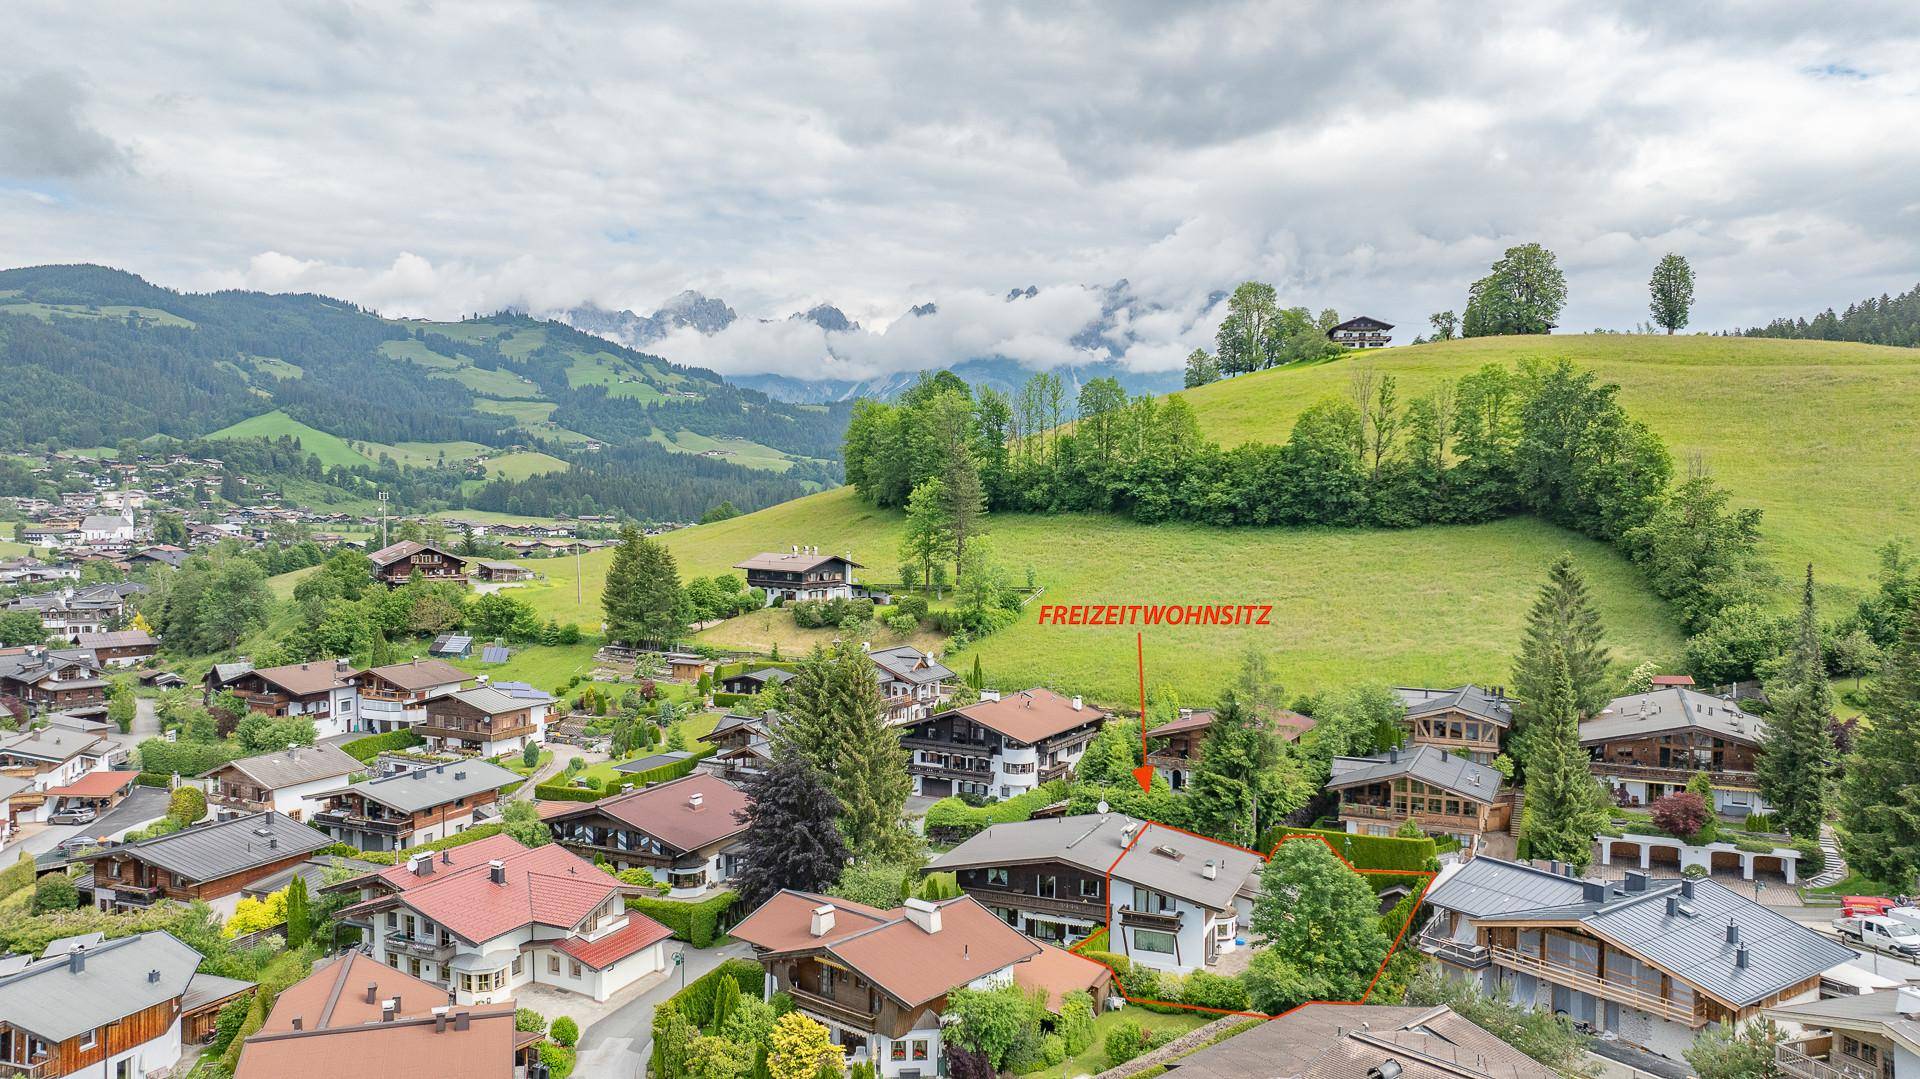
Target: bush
{"x": 565, "y": 1031}
{"x": 186, "y": 758}
{"x": 227, "y": 1024}
{"x": 1205, "y": 989}
{"x": 696, "y": 1000}
{"x": 54, "y": 892}
{"x": 187, "y": 805}
{"x": 1127, "y": 1040}
{"x": 952, "y": 817}
{"x": 1076, "y": 1021}
{"x": 154, "y": 779}
{"x": 17, "y": 876}
{"x": 1813, "y": 860}
{"x": 561, "y": 792}
{"x": 696, "y": 923}
{"x": 365, "y": 749}
{"x": 558, "y": 1059}
{"x": 1694, "y": 872}
{"x": 530, "y": 1021}
{"x": 1682, "y": 814}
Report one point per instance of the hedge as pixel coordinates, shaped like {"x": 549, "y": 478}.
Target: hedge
{"x": 667, "y": 772}
{"x": 154, "y": 779}
{"x": 1368, "y": 851}
{"x": 1144, "y": 988}
{"x": 951, "y": 816}
{"x": 696, "y": 1000}
{"x": 365, "y": 749}
{"x": 166, "y": 758}
{"x": 471, "y": 835}
{"x": 17, "y": 876}
{"x": 560, "y": 792}
{"x": 728, "y": 700}
{"x": 697, "y": 923}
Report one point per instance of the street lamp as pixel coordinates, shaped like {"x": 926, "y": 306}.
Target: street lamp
{"x": 680, "y": 960}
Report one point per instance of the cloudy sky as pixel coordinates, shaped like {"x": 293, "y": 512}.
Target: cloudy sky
{"x": 440, "y": 159}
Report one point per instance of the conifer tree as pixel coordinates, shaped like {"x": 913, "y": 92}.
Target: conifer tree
{"x": 835, "y": 723}
{"x": 1563, "y": 627}
{"x": 299, "y": 913}
{"x": 793, "y": 835}
{"x": 642, "y": 597}
{"x": 1880, "y": 790}
{"x": 1565, "y": 805}
{"x": 1797, "y": 754}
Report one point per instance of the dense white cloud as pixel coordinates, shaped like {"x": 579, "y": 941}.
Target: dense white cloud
{"x": 459, "y": 157}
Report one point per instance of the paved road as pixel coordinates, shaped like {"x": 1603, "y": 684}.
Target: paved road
{"x": 143, "y": 805}
{"x": 562, "y": 753}
{"x": 616, "y": 1047}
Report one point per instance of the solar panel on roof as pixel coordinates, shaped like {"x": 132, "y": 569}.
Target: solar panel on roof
{"x": 495, "y": 653}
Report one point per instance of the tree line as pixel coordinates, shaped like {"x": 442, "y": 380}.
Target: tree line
{"x": 1887, "y": 320}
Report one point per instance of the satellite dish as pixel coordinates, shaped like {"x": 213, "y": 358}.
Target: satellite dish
{"x": 1103, "y": 805}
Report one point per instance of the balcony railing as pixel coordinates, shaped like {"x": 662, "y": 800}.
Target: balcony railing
{"x": 828, "y": 1008}
{"x": 363, "y": 824}
{"x": 1792, "y": 1060}
{"x": 9, "y": 1070}
{"x": 1150, "y": 919}
{"x": 1658, "y": 774}
{"x": 1094, "y": 909}
{"x": 1587, "y": 983}
{"x": 1459, "y": 953}
{"x": 400, "y": 942}
{"x": 1363, "y": 811}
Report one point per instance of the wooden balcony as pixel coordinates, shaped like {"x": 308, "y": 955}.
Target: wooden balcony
{"x": 1441, "y": 822}
{"x": 1583, "y": 982}
{"x": 1150, "y": 919}
{"x": 1809, "y": 1059}
{"x": 830, "y": 1009}
{"x": 1090, "y": 909}
{"x": 473, "y": 734}
{"x": 11, "y": 1070}
{"x": 382, "y": 825}
{"x": 1447, "y": 950}
{"x": 1657, "y": 774}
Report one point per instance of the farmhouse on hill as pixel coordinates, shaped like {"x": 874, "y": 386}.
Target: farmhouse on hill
{"x": 1362, "y": 332}
{"x": 802, "y": 573}
{"x": 394, "y": 564}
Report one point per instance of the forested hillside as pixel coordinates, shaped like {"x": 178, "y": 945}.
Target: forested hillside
{"x": 1887, "y": 320}
{"x": 96, "y": 356}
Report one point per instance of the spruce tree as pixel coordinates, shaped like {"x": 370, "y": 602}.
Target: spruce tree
{"x": 835, "y": 723}
{"x": 642, "y": 597}
{"x": 1797, "y": 754}
{"x": 299, "y": 913}
{"x": 1565, "y": 805}
{"x": 1880, "y": 789}
{"x": 619, "y": 595}
{"x": 1563, "y": 627}
{"x": 793, "y": 835}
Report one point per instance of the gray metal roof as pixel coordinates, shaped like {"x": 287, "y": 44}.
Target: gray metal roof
{"x": 296, "y": 765}
{"x": 908, "y": 664}
{"x": 1096, "y": 842}
{"x": 424, "y": 788}
{"x": 1864, "y": 1012}
{"x": 654, "y": 761}
{"x": 493, "y": 700}
{"x": 210, "y": 851}
{"x": 55, "y": 744}
{"x": 205, "y": 989}
{"x": 53, "y": 1001}
{"x": 1488, "y": 886}
{"x": 314, "y": 871}
{"x": 1335, "y": 1041}
{"x": 1470, "y": 699}
{"x": 1428, "y": 764}
{"x": 1172, "y": 861}
{"x": 1690, "y": 944}
{"x": 1674, "y": 708}
{"x": 1088, "y": 841}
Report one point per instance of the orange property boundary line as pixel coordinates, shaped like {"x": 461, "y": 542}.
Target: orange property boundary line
{"x": 1398, "y": 938}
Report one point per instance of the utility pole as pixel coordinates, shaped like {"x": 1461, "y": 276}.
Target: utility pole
{"x": 576, "y": 566}
{"x": 383, "y": 518}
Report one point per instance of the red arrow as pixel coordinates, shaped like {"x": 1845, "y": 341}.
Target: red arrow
{"x": 1142, "y": 775}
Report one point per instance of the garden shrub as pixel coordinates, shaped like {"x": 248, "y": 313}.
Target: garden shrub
{"x": 697, "y": 923}
{"x": 1205, "y": 989}
{"x": 365, "y": 749}
{"x": 565, "y": 1031}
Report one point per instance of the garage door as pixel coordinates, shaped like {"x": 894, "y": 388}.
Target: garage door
{"x": 935, "y": 788}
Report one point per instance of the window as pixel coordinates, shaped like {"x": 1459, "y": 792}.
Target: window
{"x": 553, "y": 964}
{"x": 123, "y": 1069}
{"x": 575, "y": 971}
{"x": 1089, "y": 887}
{"x": 393, "y": 961}
{"x": 393, "y": 919}
{"x": 516, "y": 966}
{"x": 1152, "y": 940}
{"x": 996, "y": 878}
{"x": 920, "y": 1050}
{"x": 413, "y": 967}
{"x": 898, "y": 1051}
{"x": 88, "y": 1040}
{"x": 1044, "y": 887}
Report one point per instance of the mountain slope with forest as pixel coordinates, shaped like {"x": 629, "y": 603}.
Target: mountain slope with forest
{"x": 95, "y": 356}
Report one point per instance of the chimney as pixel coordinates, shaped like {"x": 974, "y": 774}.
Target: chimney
{"x": 1594, "y": 891}
{"x": 1673, "y": 905}
{"x": 458, "y": 775}
{"x": 396, "y": 1002}
{"x": 1393, "y": 755}
{"x": 1210, "y": 871}
{"x": 446, "y": 857}
{"x": 1740, "y": 956}
{"x": 342, "y": 665}
{"x": 695, "y": 800}
{"x": 298, "y": 1022}
{"x": 924, "y": 914}
{"x": 1636, "y": 881}
{"x": 1386, "y": 1069}
{"x": 273, "y": 842}
{"x": 1907, "y": 1001}
{"x": 440, "y": 1019}
{"x": 153, "y": 976}
{"x": 1733, "y": 932}
{"x": 1686, "y": 887}
{"x": 497, "y": 871}
{"x": 460, "y": 1020}
{"x": 1553, "y": 866}
{"x": 372, "y": 988}
{"x": 822, "y": 921}
{"x": 388, "y": 1008}
{"x": 1076, "y": 703}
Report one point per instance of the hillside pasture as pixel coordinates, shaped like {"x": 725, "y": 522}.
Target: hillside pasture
{"x": 331, "y": 449}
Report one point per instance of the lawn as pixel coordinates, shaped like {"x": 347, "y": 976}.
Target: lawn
{"x": 495, "y": 383}
{"x": 544, "y": 666}
{"x": 1820, "y": 435}
{"x": 417, "y": 352}
{"x": 737, "y": 451}
{"x": 518, "y": 466}
{"x": 690, "y": 728}
{"x": 1433, "y": 606}
{"x": 761, "y": 630}
{"x": 46, "y": 312}
{"x": 428, "y": 454}
{"x": 1093, "y": 1060}
{"x": 533, "y": 417}
{"x": 331, "y": 449}
{"x": 619, "y": 377}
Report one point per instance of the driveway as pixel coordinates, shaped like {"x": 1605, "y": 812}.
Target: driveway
{"x": 616, "y": 1047}
{"x": 562, "y": 753}
{"x": 142, "y": 805}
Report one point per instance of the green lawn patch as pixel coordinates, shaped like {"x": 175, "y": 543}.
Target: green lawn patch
{"x": 331, "y": 449}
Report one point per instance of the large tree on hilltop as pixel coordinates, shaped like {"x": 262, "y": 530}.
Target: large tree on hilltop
{"x": 1522, "y": 293}
{"x": 1565, "y": 805}
{"x": 1797, "y": 754}
{"x": 793, "y": 836}
{"x": 1880, "y": 790}
{"x": 1671, "y": 292}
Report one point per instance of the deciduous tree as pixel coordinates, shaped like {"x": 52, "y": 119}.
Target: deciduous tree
{"x": 1322, "y": 917}
{"x": 793, "y": 837}
{"x": 1523, "y": 293}
{"x": 1671, "y": 290}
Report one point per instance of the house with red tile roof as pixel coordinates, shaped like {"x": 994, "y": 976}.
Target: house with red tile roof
{"x": 687, "y": 832}
{"x": 878, "y": 980}
{"x": 485, "y": 918}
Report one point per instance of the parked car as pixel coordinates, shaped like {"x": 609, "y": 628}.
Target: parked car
{"x": 77, "y": 815}
{"x": 78, "y": 843}
{"x": 1881, "y": 932}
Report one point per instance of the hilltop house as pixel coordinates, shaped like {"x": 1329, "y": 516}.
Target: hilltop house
{"x": 356, "y": 1018}
{"x": 1650, "y": 962}
{"x": 394, "y": 697}
{"x": 878, "y": 980}
{"x": 96, "y": 1007}
{"x": 294, "y": 780}
{"x": 1000, "y": 747}
{"x": 1174, "y": 748}
{"x": 1341, "y": 1041}
{"x": 321, "y": 690}
{"x": 211, "y": 861}
{"x": 1650, "y": 744}
{"x": 487, "y": 720}
{"x": 1465, "y": 718}
{"x": 1362, "y": 332}
{"x": 913, "y": 682}
{"x": 395, "y": 564}
{"x": 1445, "y": 794}
{"x": 483, "y": 919}
{"x": 686, "y": 831}
{"x": 802, "y": 573}
{"x": 409, "y": 808}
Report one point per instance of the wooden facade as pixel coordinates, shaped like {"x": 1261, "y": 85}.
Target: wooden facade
{"x": 21, "y": 1054}
{"x": 1047, "y": 891}
{"x": 829, "y": 991}
{"x": 137, "y": 883}
{"x": 271, "y": 698}
{"x": 431, "y": 563}
{"x": 1673, "y": 757}
{"x": 1388, "y": 804}
{"x": 351, "y": 810}
{"x": 1453, "y": 730}
{"x": 458, "y": 725}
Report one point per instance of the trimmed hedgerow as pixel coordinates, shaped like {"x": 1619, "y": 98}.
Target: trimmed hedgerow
{"x": 697, "y": 923}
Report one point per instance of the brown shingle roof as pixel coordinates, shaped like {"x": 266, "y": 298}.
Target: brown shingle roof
{"x": 420, "y": 673}
{"x": 667, "y": 813}
{"x": 306, "y": 679}
{"x": 1031, "y": 715}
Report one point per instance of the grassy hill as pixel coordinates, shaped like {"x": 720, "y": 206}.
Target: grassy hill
{"x": 331, "y": 449}
{"x": 1823, "y": 436}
